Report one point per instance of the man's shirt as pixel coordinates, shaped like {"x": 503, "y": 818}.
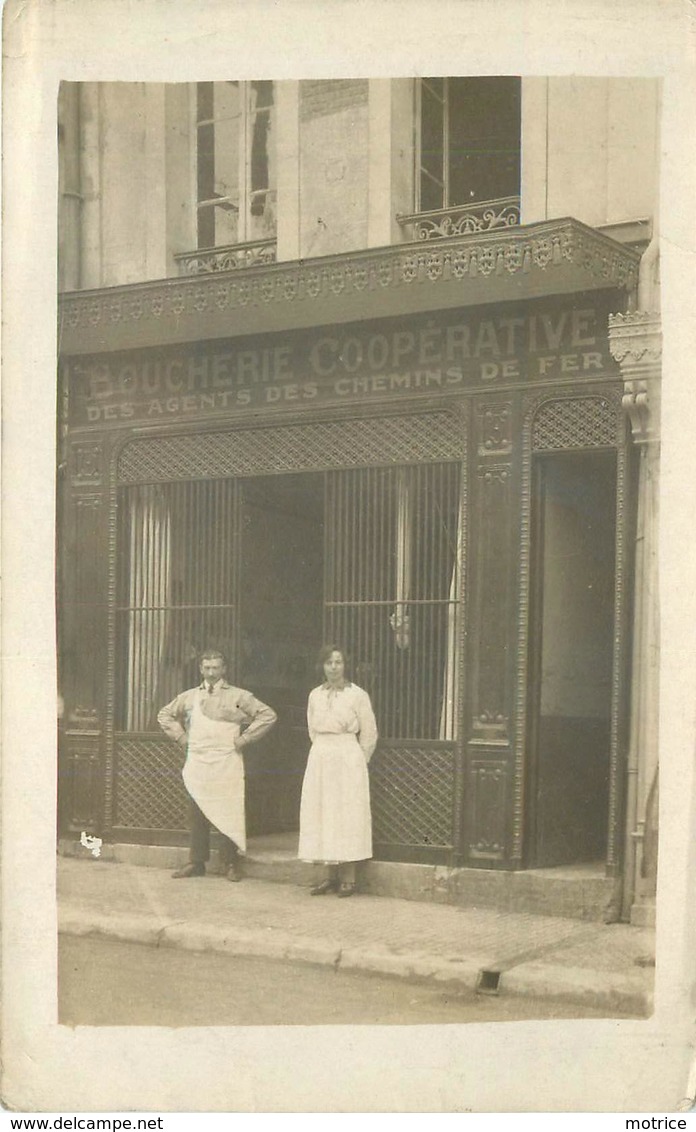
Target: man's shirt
{"x": 224, "y": 702}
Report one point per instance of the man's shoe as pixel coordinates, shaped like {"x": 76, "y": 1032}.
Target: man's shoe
{"x": 190, "y": 870}
{"x": 235, "y": 872}
{"x": 323, "y": 888}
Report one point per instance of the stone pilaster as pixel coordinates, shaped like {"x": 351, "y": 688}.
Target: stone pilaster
{"x": 636, "y": 344}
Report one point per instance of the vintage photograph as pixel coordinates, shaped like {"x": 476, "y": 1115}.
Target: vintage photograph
{"x": 356, "y": 570}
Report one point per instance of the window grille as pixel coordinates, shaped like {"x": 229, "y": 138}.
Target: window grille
{"x": 177, "y": 590}
{"x": 392, "y": 591}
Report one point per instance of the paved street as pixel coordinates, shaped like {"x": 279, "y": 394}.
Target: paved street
{"x": 586, "y": 966}
{"x": 105, "y": 982}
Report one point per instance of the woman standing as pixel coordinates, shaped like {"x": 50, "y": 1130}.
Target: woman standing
{"x": 335, "y": 819}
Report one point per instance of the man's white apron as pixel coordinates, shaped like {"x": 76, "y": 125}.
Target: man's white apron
{"x": 214, "y": 773}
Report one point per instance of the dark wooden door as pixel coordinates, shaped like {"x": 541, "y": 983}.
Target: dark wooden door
{"x": 571, "y": 662}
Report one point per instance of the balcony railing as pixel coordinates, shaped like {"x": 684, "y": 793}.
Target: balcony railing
{"x": 463, "y": 220}
{"x": 230, "y": 257}
{"x": 554, "y": 256}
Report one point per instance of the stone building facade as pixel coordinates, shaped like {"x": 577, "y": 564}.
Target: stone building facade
{"x": 374, "y": 360}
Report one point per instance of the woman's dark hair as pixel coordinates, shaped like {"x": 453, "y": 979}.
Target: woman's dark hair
{"x": 324, "y": 654}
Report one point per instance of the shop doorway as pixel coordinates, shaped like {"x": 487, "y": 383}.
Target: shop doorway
{"x": 571, "y": 658}
{"x": 366, "y": 558}
{"x": 267, "y": 568}
{"x": 281, "y": 584}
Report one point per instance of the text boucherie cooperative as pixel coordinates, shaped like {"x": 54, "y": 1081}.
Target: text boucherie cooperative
{"x": 350, "y": 362}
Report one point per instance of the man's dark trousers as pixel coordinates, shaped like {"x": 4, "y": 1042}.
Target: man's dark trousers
{"x": 200, "y": 839}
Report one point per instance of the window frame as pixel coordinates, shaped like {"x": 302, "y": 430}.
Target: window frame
{"x": 420, "y": 169}
{"x": 243, "y": 203}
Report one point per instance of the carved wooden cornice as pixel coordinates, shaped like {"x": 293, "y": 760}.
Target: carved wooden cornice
{"x": 554, "y": 257}
{"x": 635, "y": 342}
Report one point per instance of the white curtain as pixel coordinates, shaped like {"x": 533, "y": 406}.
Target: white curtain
{"x": 399, "y": 619}
{"x": 450, "y": 697}
{"x": 148, "y": 600}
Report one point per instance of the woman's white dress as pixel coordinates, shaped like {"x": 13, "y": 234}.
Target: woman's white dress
{"x": 335, "y": 818}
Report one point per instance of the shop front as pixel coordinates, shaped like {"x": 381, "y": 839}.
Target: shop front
{"x": 445, "y": 491}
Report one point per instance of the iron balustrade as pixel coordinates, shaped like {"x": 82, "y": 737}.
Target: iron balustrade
{"x": 230, "y": 257}
{"x": 463, "y": 220}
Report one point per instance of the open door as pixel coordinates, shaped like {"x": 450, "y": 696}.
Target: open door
{"x": 572, "y": 636}
{"x": 280, "y": 616}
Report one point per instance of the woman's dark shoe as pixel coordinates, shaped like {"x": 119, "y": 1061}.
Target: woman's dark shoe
{"x": 346, "y": 889}
{"x": 323, "y": 888}
{"x": 189, "y": 870}
{"x": 234, "y": 871}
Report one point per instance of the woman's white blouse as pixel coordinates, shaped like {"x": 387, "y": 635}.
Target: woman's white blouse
{"x": 335, "y": 711}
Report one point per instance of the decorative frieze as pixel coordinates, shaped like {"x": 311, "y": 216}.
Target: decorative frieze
{"x": 488, "y": 788}
{"x": 86, "y": 465}
{"x": 490, "y": 595}
{"x": 83, "y": 718}
{"x": 635, "y": 341}
{"x": 494, "y": 430}
{"x": 81, "y": 776}
{"x": 494, "y": 473}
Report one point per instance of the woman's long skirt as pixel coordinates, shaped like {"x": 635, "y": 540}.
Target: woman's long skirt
{"x": 335, "y": 818}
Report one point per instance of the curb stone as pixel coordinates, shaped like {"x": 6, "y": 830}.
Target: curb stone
{"x": 580, "y": 986}
{"x": 131, "y": 929}
{"x": 192, "y": 937}
{"x": 306, "y": 950}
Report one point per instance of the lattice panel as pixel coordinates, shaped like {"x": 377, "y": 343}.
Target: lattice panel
{"x": 583, "y": 422}
{"x": 412, "y": 795}
{"x": 150, "y": 792}
{"x": 293, "y": 448}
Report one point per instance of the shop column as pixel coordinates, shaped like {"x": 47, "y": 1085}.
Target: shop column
{"x": 636, "y": 344}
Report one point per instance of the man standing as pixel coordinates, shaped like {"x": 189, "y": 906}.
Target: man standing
{"x": 213, "y": 723}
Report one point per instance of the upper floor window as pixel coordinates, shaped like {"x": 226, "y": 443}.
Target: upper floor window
{"x": 235, "y": 162}
{"x": 468, "y": 141}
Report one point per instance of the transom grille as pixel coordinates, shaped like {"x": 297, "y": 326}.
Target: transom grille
{"x": 583, "y": 422}
{"x": 292, "y": 448}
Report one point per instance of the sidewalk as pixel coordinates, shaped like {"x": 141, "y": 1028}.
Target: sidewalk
{"x": 588, "y": 964}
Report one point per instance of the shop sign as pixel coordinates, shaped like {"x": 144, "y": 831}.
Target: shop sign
{"x": 443, "y": 353}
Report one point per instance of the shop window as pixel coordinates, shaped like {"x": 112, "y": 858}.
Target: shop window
{"x": 385, "y": 544}
{"x": 235, "y": 163}
{"x": 169, "y": 607}
{"x": 392, "y": 592}
{"x": 468, "y": 142}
